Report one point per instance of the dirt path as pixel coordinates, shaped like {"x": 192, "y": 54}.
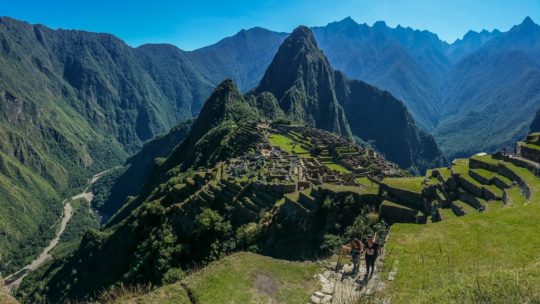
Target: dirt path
{"x": 15, "y": 279}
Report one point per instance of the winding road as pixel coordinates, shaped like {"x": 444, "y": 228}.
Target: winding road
{"x": 15, "y": 279}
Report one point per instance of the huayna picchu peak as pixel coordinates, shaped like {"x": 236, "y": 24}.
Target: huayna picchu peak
{"x": 310, "y": 91}
{"x": 301, "y": 79}
{"x": 339, "y": 164}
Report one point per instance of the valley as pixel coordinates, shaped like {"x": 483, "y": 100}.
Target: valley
{"x": 14, "y": 280}
{"x": 248, "y": 171}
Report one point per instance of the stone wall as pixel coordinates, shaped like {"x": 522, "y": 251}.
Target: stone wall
{"x": 530, "y": 153}
{"x": 392, "y": 213}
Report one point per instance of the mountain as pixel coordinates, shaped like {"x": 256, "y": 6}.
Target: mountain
{"x": 110, "y": 192}
{"x": 302, "y": 81}
{"x": 214, "y": 136}
{"x": 408, "y": 63}
{"x": 243, "y": 57}
{"x": 72, "y": 104}
{"x": 491, "y": 93}
{"x": 470, "y": 43}
{"x": 425, "y": 73}
{"x": 310, "y": 91}
{"x": 229, "y": 185}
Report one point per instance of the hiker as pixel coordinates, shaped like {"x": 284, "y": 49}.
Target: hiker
{"x": 355, "y": 248}
{"x": 372, "y": 250}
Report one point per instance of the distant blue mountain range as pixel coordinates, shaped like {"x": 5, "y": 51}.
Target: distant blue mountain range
{"x": 476, "y": 94}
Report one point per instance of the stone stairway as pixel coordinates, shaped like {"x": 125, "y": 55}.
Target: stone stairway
{"x": 342, "y": 288}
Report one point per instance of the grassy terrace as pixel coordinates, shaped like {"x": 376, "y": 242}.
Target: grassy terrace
{"x": 465, "y": 207}
{"x": 496, "y": 261}
{"x": 515, "y": 197}
{"x": 531, "y": 146}
{"x": 293, "y": 146}
{"x": 447, "y": 214}
{"x": 287, "y": 144}
{"x": 484, "y": 173}
{"x": 530, "y": 179}
{"x": 445, "y": 173}
{"x": 337, "y": 167}
{"x": 368, "y": 189}
{"x": 413, "y": 184}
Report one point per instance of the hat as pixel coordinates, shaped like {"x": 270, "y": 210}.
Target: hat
{"x": 370, "y": 236}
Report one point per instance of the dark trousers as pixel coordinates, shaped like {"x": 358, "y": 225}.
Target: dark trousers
{"x": 370, "y": 264}
{"x": 355, "y": 257}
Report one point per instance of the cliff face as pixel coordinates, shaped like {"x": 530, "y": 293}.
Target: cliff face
{"x": 310, "y": 91}
{"x": 302, "y": 80}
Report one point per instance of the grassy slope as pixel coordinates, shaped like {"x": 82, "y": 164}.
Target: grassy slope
{"x": 240, "y": 278}
{"x": 287, "y": 144}
{"x": 413, "y": 184}
{"x": 293, "y": 147}
{"x": 498, "y": 250}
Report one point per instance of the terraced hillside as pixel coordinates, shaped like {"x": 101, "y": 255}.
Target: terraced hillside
{"x": 478, "y": 184}
{"x": 488, "y": 256}
{"x": 232, "y": 182}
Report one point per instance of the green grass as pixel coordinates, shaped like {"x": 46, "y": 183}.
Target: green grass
{"x": 251, "y": 278}
{"x": 465, "y": 207}
{"x": 445, "y": 173}
{"x": 484, "y": 173}
{"x": 515, "y": 197}
{"x": 369, "y": 189}
{"x": 447, "y": 214}
{"x": 476, "y": 258}
{"x": 364, "y": 181}
{"x": 337, "y": 167}
{"x": 486, "y": 159}
{"x": 287, "y": 144}
{"x": 413, "y": 184}
{"x": 531, "y": 146}
{"x": 169, "y": 294}
{"x": 530, "y": 179}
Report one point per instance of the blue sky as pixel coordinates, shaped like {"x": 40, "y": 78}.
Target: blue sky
{"x": 193, "y": 24}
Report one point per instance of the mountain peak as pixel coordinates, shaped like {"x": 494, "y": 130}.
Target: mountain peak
{"x": 302, "y": 81}
{"x": 379, "y": 24}
{"x": 528, "y": 21}
{"x": 348, "y": 20}
{"x": 219, "y": 104}
{"x": 526, "y": 26}
{"x": 302, "y": 36}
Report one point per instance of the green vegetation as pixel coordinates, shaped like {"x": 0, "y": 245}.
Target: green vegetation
{"x": 251, "y": 278}
{"x": 515, "y": 197}
{"x": 168, "y": 294}
{"x": 337, "y": 167}
{"x": 83, "y": 219}
{"x": 287, "y": 144}
{"x": 368, "y": 189}
{"x": 413, "y": 184}
{"x": 239, "y": 278}
{"x": 476, "y": 258}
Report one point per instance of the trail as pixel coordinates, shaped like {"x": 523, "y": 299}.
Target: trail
{"x": 342, "y": 288}
{"x": 15, "y": 279}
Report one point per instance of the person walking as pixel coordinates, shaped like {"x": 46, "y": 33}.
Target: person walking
{"x": 372, "y": 251}
{"x": 355, "y": 248}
